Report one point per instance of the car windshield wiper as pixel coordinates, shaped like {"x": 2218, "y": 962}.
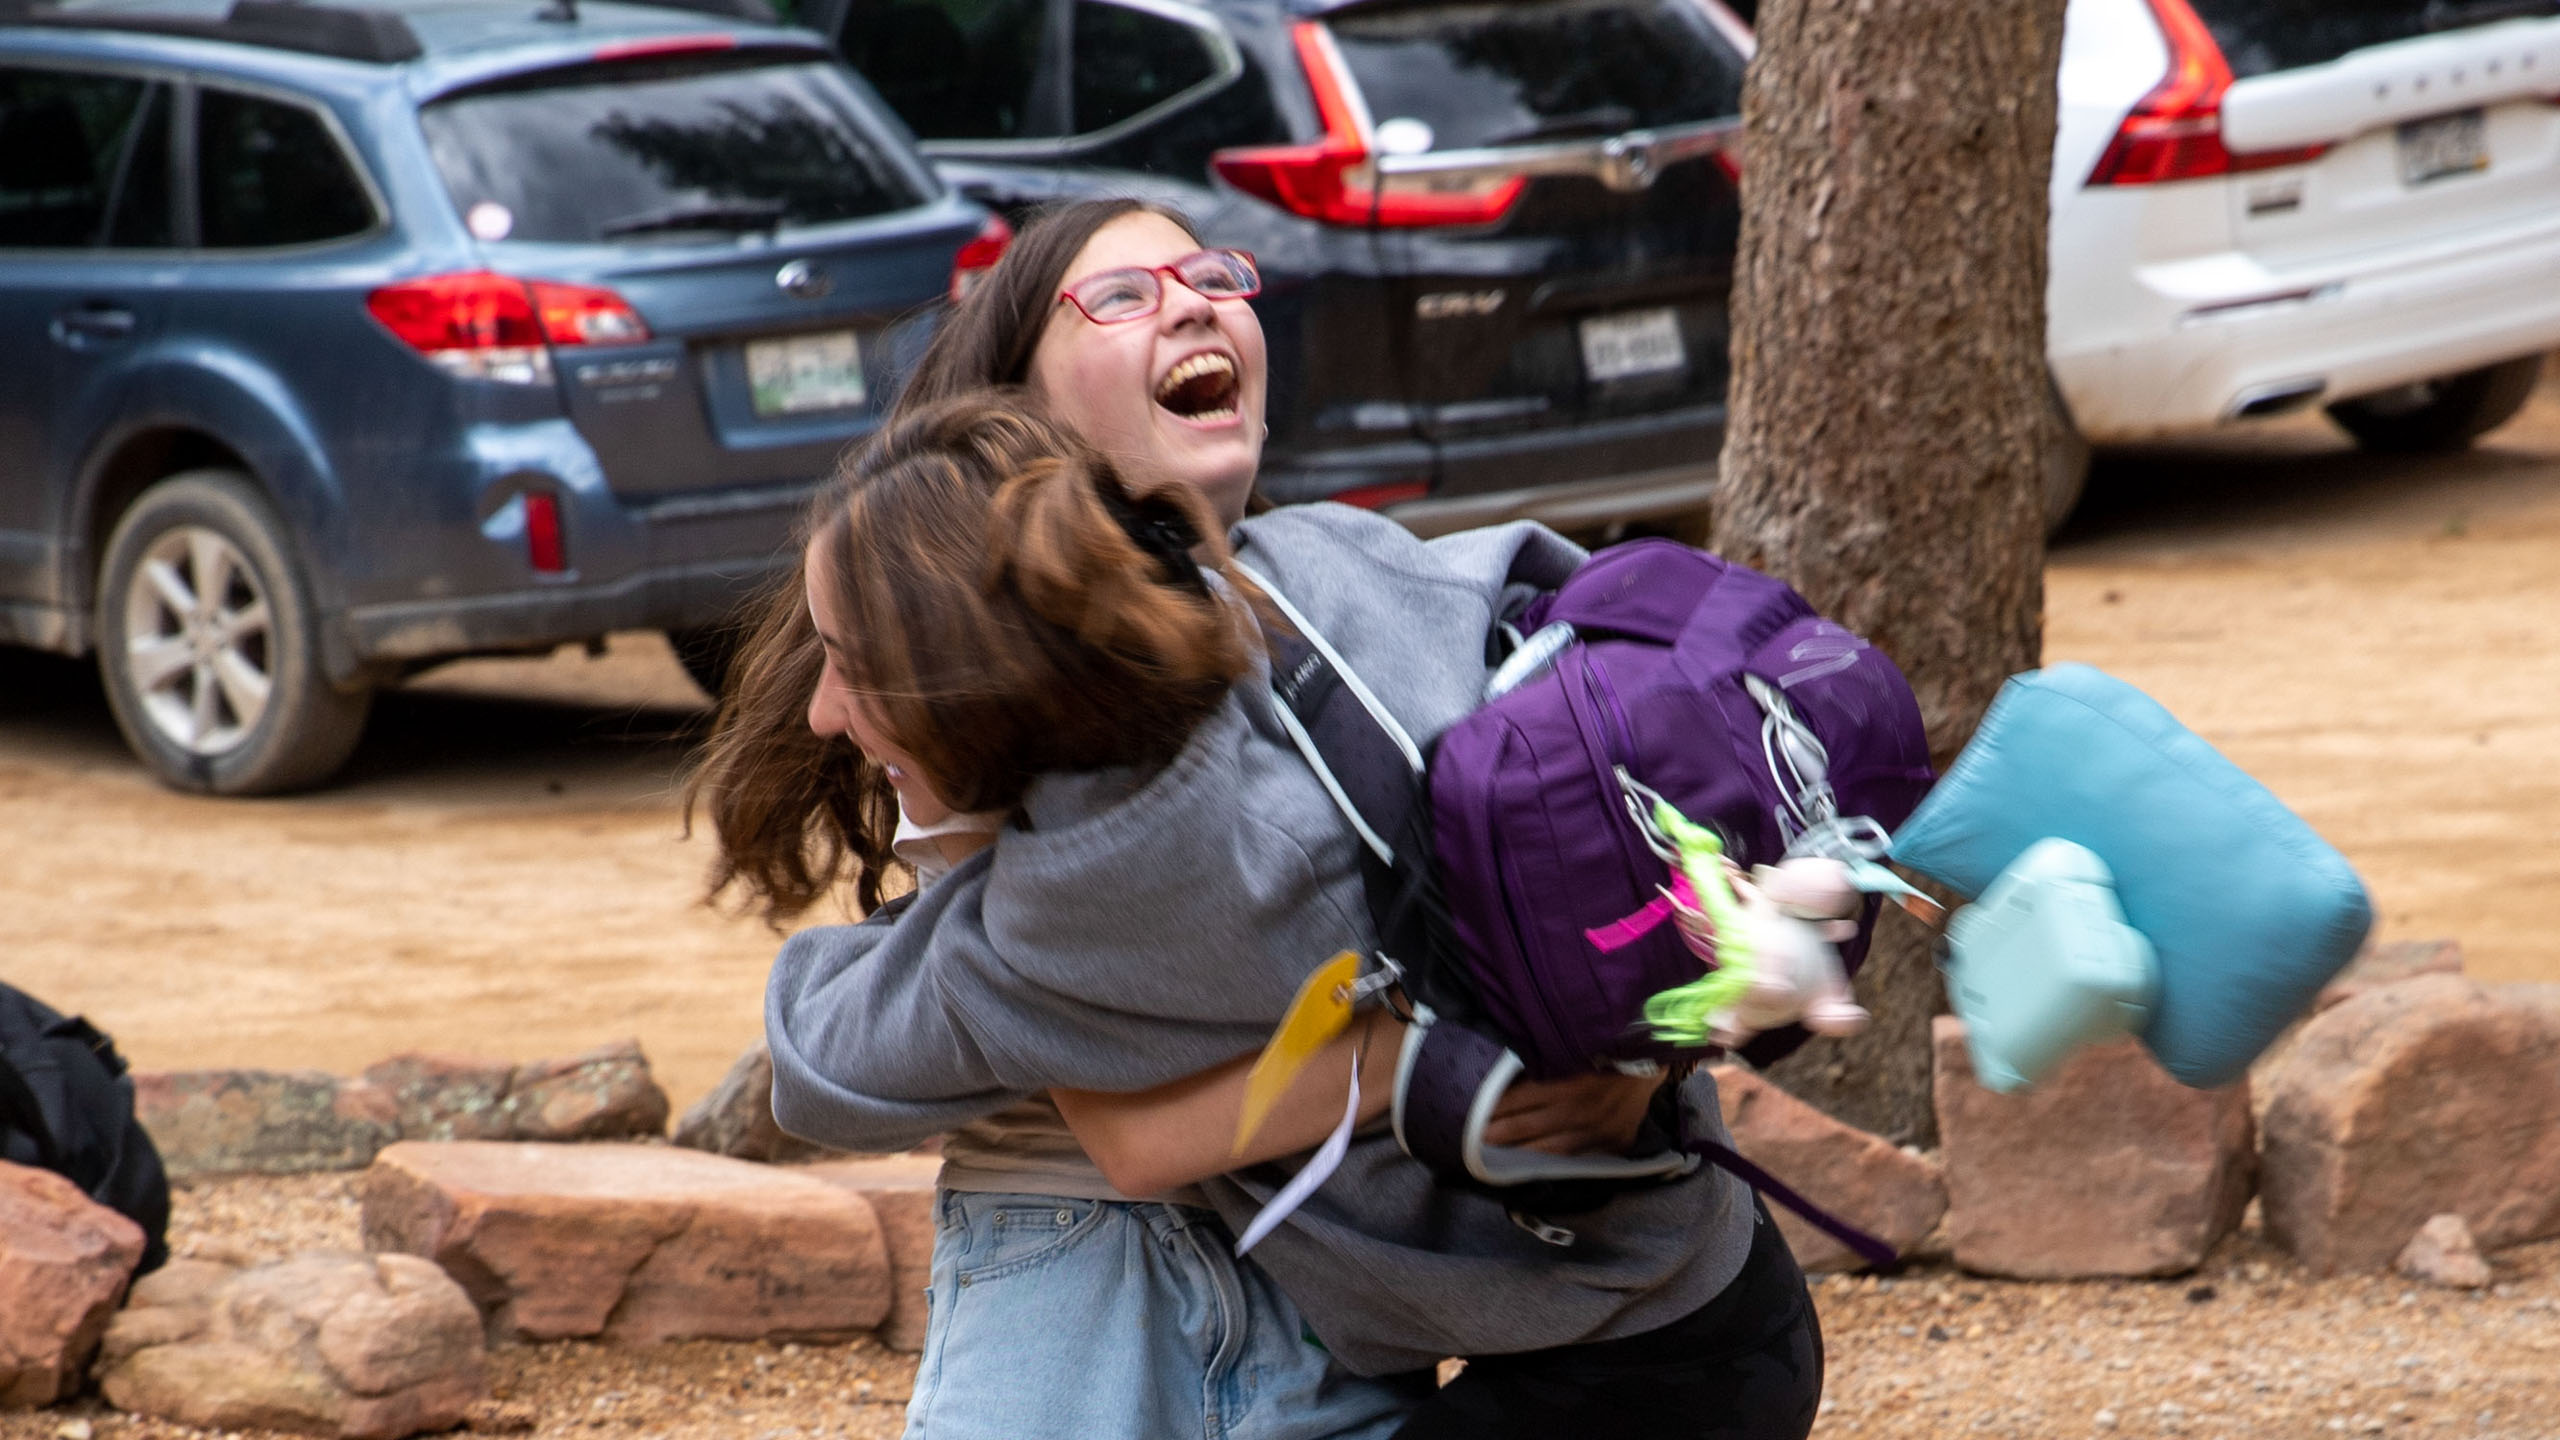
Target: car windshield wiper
{"x": 730, "y": 215}
{"x": 2457, "y": 14}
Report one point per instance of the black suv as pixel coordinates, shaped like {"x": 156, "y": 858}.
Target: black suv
{"x": 1497, "y": 239}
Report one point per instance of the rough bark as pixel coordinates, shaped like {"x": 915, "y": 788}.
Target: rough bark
{"x": 1890, "y": 407}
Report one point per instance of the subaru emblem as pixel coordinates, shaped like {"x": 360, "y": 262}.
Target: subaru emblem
{"x": 802, "y": 281}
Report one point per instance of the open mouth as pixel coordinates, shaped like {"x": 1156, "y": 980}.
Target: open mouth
{"x": 1203, "y": 388}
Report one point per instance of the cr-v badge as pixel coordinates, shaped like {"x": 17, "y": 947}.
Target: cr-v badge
{"x": 1449, "y": 304}
{"x": 803, "y": 281}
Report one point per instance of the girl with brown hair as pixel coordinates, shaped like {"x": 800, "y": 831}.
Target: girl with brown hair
{"x": 1169, "y": 872}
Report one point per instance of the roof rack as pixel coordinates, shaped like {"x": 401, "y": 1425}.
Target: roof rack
{"x": 375, "y": 36}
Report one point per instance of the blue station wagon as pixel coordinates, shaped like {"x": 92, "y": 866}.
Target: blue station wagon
{"x": 338, "y": 340}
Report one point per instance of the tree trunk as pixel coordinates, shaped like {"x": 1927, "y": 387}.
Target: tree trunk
{"x": 1891, "y": 412}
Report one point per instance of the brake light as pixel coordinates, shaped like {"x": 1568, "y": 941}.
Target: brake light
{"x": 979, "y": 256}
{"x": 1335, "y": 180}
{"x": 542, "y": 546}
{"x": 2175, "y": 132}
{"x": 662, "y": 45}
{"x": 484, "y": 326}
{"x": 1378, "y": 497}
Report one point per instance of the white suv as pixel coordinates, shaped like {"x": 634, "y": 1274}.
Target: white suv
{"x": 2260, "y": 205}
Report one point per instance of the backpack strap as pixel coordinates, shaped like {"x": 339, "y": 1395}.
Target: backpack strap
{"x": 1374, "y": 771}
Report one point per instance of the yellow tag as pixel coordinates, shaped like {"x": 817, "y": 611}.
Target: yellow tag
{"x": 1321, "y": 1011}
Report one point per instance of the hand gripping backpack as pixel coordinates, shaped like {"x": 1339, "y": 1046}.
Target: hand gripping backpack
{"x": 1656, "y": 670}
{"x": 66, "y": 1105}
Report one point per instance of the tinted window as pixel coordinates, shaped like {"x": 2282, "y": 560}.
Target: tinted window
{"x": 2259, "y": 36}
{"x": 955, "y": 69}
{"x": 664, "y": 147}
{"x": 1127, "y": 61}
{"x": 143, "y": 216}
{"x": 61, "y": 135}
{"x": 1509, "y": 74}
{"x": 270, "y": 173}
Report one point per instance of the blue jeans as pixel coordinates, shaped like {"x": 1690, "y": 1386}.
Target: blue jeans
{"x": 1091, "y": 1319}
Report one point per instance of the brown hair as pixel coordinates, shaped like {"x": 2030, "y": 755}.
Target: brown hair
{"x": 988, "y": 339}
{"x": 795, "y": 812}
{"x": 1010, "y": 608}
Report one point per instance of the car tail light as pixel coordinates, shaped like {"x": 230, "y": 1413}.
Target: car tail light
{"x": 979, "y": 256}
{"x": 662, "y": 46}
{"x": 1335, "y": 180}
{"x": 2175, "y": 132}
{"x": 1378, "y": 497}
{"x": 484, "y": 326}
{"x": 542, "y": 544}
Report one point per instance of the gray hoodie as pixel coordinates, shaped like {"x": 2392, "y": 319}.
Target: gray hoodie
{"x": 1147, "y": 927}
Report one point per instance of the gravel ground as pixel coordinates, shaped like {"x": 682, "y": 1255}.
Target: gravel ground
{"x": 2246, "y": 1347}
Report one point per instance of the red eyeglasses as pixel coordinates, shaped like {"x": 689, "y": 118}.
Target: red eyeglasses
{"x": 1108, "y": 297}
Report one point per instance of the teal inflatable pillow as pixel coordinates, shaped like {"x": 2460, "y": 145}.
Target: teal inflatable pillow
{"x": 2249, "y": 911}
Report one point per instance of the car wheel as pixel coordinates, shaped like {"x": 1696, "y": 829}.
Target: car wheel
{"x": 706, "y": 652}
{"x": 209, "y": 645}
{"x": 2441, "y": 414}
{"x": 2066, "y": 466}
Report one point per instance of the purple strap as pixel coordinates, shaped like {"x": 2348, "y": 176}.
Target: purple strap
{"x": 1870, "y": 1249}
{"x": 1441, "y": 1090}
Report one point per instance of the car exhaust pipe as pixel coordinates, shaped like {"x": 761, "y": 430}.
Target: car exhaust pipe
{"x": 2282, "y": 398}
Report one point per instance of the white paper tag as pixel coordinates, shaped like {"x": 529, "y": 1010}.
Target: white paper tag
{"x": 1318, "y": 1169}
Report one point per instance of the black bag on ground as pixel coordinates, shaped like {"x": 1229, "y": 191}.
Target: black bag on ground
{"x": 66, "y": 1105}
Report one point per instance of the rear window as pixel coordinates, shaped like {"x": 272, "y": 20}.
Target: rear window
{"x": 1517, "y": 74}
{"x": 2262, "y": 36}
{"x": 664, "y": 148}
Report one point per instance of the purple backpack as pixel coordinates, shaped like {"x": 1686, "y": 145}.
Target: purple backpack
{"x": 1718, "y": 688}
{"x": 1532, "y": 838}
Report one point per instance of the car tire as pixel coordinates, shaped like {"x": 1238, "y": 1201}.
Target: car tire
{"x": 707, "y": 652}
{"x": 2446, "y": 413}
{"x": 209, "y": 645}
{"x": 2066, "y": 466}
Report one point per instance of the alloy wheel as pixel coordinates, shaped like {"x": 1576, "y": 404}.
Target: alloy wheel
{"x": 197, "y": 640}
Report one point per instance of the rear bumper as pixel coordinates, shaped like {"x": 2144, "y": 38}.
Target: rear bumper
{"x": 1572, "y": 505}
{"x": 1605, "y": 472}
{"x": 668, "y": 598}
{"x": 2220, "y": 330}
{"x": 454, "y": 575}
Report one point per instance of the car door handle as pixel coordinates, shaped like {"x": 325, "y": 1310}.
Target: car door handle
{"x": 96, "y": 323}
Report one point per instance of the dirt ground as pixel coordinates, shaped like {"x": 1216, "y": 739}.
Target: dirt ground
{"x": 2244, "y": 1348}
{"x": 502, "y": 873}
{"x": 502, "y": 870}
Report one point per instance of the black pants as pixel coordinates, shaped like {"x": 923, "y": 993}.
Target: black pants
{"x": 1746, "y": 1365}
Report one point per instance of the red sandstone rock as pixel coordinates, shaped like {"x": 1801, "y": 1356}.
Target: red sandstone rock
{"x": 64, "y": 1262}
{"x": 2436, "y": 1095}
{"x": 632, "y": 1243}
{"x": 2106, "y": 1167}
{"x": 604, "y": 1094}
{"x": 370, "y": 1347}
{"x": 446, "y": 1097}
{"x": 736, "y": 1118}
{"x": 1894, "y": 1195}
{"x": 899, "y": 1189}
{"x": 2388, "y": 963}
{"x": 2443, "y": 1253}
{"x": 266, "y": 1122}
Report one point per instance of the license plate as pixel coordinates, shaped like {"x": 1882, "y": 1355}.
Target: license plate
{"x": 1621, "y": 347}
{"x": 2455, "y": 144}
{"x": 805, "y": 373}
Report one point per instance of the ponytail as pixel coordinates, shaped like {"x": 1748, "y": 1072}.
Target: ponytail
{"x": 1011, "y": 609}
